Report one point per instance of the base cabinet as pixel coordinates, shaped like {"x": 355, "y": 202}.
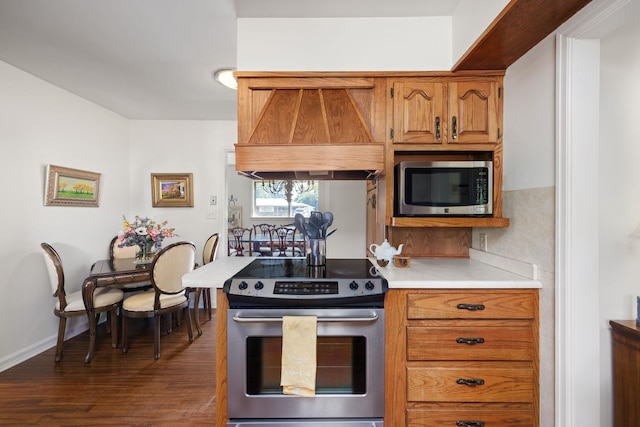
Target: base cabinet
{"x": 462, "y": 357}
{"x": 626, "y": 372}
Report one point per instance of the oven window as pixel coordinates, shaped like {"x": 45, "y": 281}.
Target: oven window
{"x": 341, "y": 365}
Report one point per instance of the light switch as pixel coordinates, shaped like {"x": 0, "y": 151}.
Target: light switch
{"x": 213, "y": 200}
{"x": 212, "y": 213}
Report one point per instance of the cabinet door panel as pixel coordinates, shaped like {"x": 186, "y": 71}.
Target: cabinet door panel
{"x": 418, "y": 110}
{"x": 471, "y": 305}
{"x": 469, "y": 343}
{"x": 473, "y": 112}
{"x": 449, "y": 384}
{"x": 437, "y": 418}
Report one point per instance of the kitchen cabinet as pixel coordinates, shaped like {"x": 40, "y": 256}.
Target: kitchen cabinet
{"x": 449, "y": 112}
{"x": 418, "y": 111}
{"x": 459, "y": 357}
{"x": 626, "y": 372}
{"x": 445, "y": 117}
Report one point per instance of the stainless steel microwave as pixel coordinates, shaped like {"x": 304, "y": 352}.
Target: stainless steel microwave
{"x": 444, "y": 188}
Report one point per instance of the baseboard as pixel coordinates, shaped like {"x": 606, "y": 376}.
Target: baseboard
{"x": 35, "y": 349}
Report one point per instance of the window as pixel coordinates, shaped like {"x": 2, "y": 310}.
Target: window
{"x": 284, "y": 199}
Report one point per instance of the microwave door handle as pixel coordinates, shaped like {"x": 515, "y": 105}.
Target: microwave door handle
{"x": 275, "y": 319}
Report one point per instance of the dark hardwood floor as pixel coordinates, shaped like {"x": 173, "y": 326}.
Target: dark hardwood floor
{"x": 116, "y": 389}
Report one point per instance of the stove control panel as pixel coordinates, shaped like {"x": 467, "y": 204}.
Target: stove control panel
{"x": 305, "y": 288}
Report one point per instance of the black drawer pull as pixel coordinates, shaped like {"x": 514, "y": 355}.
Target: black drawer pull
{"x": 470, "y": 341}
{"x": 471, "y": 382}
{"x": 471, "y": 307}
{"x": 470, "y": 423}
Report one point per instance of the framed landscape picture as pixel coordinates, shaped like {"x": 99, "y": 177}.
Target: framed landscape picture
{"x": 71, "y": 187}
{"x": 172, "y": 190}
{"x": 235, "y": 216}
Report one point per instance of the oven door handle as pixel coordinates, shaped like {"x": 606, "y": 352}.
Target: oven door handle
{"x": 372, "y": 318}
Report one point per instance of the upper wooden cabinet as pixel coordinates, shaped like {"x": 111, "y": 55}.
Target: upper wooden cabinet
{"x": 418, "y": 111}
{"x": 475, "y": 112}
{"x": 446, "y": 111}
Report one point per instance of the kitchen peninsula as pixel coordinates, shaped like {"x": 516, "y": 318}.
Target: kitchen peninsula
{"x": 424, "y": 273}
{"x": 446, "y": 320}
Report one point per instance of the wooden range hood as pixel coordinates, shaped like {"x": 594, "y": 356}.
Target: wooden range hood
{"x": 311, "y": 126}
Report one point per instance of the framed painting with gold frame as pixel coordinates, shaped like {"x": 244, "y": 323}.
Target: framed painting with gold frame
{"x": 71, "y": 187}
{"x": 172, "y": 190}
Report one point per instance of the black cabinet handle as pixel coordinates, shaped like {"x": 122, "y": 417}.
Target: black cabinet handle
{"x": 470, "y": 341}
{"x": 437, "y": 127}
{"x": 461, "y": 423}
{"x": 471, "y": 382}
{"x": 454, "y": 126}
{"x": 470, "y": 307}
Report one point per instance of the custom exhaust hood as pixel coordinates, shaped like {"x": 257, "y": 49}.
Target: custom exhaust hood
{"x": 290, "y": 128}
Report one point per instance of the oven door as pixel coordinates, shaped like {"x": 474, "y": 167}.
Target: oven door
{"x": 350, "y": 364}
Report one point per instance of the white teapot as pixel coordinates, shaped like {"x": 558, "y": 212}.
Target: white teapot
{"x": 385, "y": 251}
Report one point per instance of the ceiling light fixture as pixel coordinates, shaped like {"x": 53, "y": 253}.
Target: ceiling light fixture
{"x": 225, "y": 77}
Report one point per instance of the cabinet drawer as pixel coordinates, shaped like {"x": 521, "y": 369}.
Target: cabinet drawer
{"x": 470, "y": 418}
{"x": 444, "y": 384}
{"x": 481, "y": 304}
{"x": 469, "y": 343}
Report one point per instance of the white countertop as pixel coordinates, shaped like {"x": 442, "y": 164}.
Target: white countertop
{"x": 423, "y": 273}
{"x": 458, "y": 273}
{"x": 214, "y": 274}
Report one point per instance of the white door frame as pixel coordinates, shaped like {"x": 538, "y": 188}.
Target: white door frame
{"x": 577, "y": 391}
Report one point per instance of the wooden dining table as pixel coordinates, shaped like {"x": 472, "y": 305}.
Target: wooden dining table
{"x": 107, "y": 272}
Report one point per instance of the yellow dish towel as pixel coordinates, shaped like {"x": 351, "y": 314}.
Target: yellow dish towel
{"x": 299, "y": 336}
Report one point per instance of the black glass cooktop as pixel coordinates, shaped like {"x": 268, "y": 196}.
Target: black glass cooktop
{"x": 296, "y": 268}
{"x": 290, "y": 282}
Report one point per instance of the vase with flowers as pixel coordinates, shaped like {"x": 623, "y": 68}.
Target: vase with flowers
{"x": 147, "y": 234}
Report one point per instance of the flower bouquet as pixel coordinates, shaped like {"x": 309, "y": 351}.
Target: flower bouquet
{"x": 145, "y": 233}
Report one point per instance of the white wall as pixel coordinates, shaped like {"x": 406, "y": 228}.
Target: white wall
{"x": 182, "y": 146}
{"x": 619, "y": 198}
{"x": 344, "y": 44}
{"x": 470, "y": 19}
{"x": 39, "y": 125}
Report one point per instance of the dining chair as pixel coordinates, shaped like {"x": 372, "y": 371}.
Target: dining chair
{"x": 126, "y": 252}
{"x": 209, "y": 253}
{"x": 167, "y": 296}
{"x": 285, "y": 243}
{"x": 105, "y": 299}
{"x": 262, "y": 236}
{"x": 240, "y": 240}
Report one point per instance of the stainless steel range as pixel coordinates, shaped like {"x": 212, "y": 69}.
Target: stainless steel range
{"x": 347, "y": 298}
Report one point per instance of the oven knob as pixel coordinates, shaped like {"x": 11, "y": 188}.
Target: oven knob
{"x": 243, "y": 285}
{"x": 353, "y": 286}
{"x": 369, "y": 285}
{"x": 259, "y": 285}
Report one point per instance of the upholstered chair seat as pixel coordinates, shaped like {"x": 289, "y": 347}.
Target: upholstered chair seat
{"x": 101, "y": 297}
{"x": 145, "y": 301}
